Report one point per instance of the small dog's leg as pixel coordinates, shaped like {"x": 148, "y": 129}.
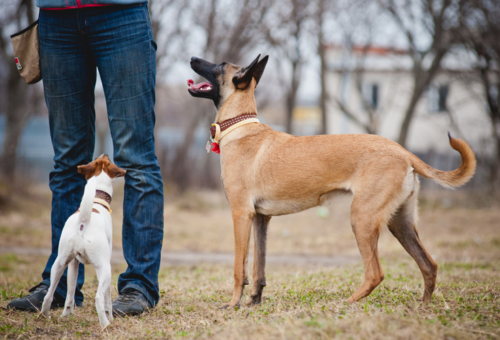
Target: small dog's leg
{"x": 103, "y": 272}
{"x": 69, "y": 305}
{"x": 242, "y": 229}
{"x": 402, "y": 226}
{"x": 55, "y": 275}
{"x": 367, "y": 230}
{"x": 260, "y": 223}
{"x": 108, "y": 304}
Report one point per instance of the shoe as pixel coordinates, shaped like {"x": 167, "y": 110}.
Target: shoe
{"x": 130, "y": 302}
{"x": 34, "y": 301}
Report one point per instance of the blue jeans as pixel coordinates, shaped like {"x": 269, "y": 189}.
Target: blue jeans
{"x": 118, "y": 41}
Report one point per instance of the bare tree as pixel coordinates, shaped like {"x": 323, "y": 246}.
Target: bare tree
{"x": 480, "y": 23}
{"x": 321, "y": 12}
{"x": 217, "y": 30}
{"x": 287, "y": 33}
{"x": 21, "y": 100}
{"x": 357, "y": 24}
{"x": 438, "y": 20}
{"x": 367, "y": 119}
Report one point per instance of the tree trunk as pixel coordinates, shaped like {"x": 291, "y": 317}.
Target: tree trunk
{"x": 291, "y": 98}
{"x": 17, "y": 115}
{"x": 323, "y": 70}
{"x": 19, "y": 106}
{"x": 422, "y": 80}
{"x": 405, "y": 127}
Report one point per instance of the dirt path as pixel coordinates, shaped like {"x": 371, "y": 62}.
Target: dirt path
{"x": 192, "y": 258}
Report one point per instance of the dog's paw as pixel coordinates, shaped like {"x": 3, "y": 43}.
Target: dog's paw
{"x": 66, "y": 314}
{"x": 228, "y": 306}
{"x": 109, "y": 315}
{"x": 45, "y": 314}
{"x": 104, "y": 325}
{"x": 252, "y": 303}
{"x": 350, "y": 300}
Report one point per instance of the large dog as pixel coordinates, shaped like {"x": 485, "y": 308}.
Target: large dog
{"x": 86, "y": 238}
{"x": 268, "y": 173}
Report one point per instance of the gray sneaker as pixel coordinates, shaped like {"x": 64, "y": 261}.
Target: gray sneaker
{"x": 130, "y": 302}
{"x": 34, "y": 301}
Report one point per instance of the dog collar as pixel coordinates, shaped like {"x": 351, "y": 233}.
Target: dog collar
{"x": 104, "y": 199}
{"x": 103, "y": 203}
{"x": 219, "y": 130}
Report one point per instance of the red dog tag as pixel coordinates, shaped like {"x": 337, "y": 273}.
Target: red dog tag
{"x": 18, "y": 63}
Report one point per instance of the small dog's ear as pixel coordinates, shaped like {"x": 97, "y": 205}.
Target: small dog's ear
{"x": 244, "y": 77}
{"x": 113, "y": 171}
{"x": 88, "y": 170}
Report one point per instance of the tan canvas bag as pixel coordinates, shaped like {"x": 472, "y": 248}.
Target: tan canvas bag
{"x": 27, "y": 53}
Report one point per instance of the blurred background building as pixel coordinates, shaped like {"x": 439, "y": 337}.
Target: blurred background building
{"x": 407, "y": 70}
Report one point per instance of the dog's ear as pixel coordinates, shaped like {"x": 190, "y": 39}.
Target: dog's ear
{"x": 114, "y": 171}
{"x": 259, "y": 69}
{"x": 243, "y": 78}
{"x": 88, "y": 170}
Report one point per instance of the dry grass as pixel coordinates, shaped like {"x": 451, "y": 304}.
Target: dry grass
{"x": 299, "y": 302}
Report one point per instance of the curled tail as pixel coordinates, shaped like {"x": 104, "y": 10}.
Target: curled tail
{"x": 453, "y": 178}
{"x": 88, "y": 200}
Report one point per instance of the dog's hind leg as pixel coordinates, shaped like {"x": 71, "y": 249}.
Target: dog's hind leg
{"x": 260, "y": 223}
{"x": 367, "y": 230}
{"x": 242, "y": 228}
{"x": 56, "y": 272}
{"x": 108, "y": 304}
{"x": 69, "y": 305}
{"x": 103, "y": 272}
{"x": 402, "y": 226}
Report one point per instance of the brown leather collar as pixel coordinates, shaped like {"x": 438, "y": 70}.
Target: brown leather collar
{"x": 230, "y": 122}
{"x": 103, "y": 195}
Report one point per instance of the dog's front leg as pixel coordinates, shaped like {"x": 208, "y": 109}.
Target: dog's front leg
{"x": 260, "y": 223}
{"x": 242, "y": 227}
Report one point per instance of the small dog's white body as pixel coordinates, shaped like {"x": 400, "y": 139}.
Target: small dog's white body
{"x": 86, "y": 238}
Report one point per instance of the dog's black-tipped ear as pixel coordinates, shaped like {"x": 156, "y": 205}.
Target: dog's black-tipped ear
{"x": 259, "y": 69}
{"x": 244, "y": 77}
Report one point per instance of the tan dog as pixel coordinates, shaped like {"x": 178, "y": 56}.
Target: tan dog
{"x": 269, "y": 173}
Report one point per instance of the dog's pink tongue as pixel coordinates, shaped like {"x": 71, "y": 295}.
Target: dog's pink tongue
{"x": 205, "y": 85}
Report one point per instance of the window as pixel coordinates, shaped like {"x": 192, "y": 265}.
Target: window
{"x": 371, "y": 96}
{"x": 493, "y": 90}
{"x": 437, "y": 97}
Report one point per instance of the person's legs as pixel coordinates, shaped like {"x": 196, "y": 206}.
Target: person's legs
{"x": 121, "y": 41}
{"x": 69, "y": 76}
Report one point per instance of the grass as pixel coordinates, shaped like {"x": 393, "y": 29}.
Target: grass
{"x": 299, "y": 302}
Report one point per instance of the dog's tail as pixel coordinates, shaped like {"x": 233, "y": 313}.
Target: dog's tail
{"x": 88, "y": 200}
{"x": 454, "y": 178}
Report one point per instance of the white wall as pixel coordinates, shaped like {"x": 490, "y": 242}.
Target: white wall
{"x": 428, "y": 130}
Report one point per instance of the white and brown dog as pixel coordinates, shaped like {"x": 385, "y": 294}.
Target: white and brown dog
{"x": 86, "y": 238}
{"x": 268, "y": 173}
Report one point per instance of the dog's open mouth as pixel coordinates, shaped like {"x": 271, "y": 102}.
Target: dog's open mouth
{"x": 204, "y": 87}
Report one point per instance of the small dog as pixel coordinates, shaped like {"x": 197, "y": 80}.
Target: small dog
{"x": 268, "y": 173}
{"x": 86, "y": 238}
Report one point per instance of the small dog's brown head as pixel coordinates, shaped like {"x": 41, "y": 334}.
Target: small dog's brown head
{"x": 224, "y": 79}
{"x": 101, "y": 164}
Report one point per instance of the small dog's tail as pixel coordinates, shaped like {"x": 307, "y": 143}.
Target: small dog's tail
{"x": 88, "y": 200}
{"x": 454, "y": 178}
